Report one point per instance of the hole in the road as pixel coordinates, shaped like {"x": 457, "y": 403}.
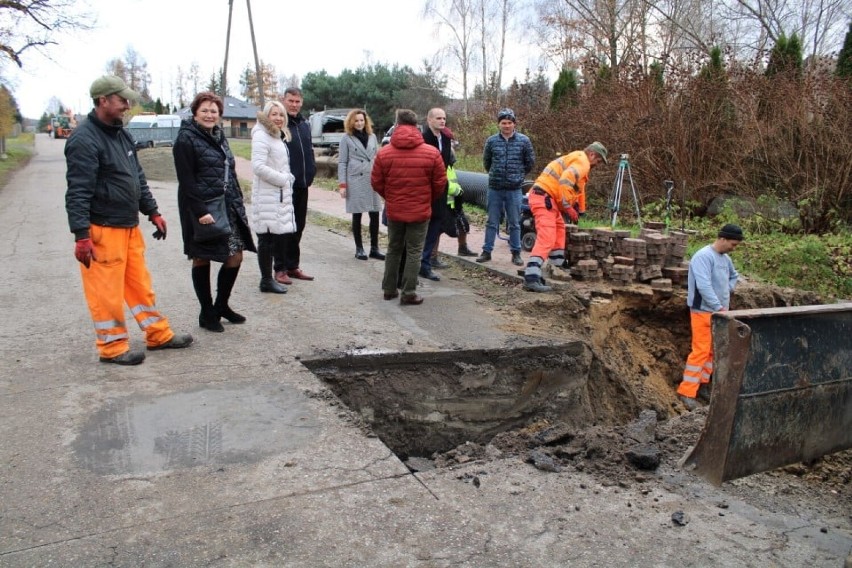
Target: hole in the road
{"x": 422, "y": 403}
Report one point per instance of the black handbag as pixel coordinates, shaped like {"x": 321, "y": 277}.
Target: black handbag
{"x": 218, "y": 209}
{"x": 220, "y": 227}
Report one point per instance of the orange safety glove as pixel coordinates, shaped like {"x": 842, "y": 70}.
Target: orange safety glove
{"x": 84, "y": 251}
{"x": 160, "y": 223}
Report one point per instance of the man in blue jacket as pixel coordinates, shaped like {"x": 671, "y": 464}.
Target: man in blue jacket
{"x": 304, "y": 168}
{"x": 508, "y": 157}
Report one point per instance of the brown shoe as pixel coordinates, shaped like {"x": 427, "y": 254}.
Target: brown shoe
{"x": 282, "y": 278}
{"x": 298, "y": 274}
{"x": 412, "y": 300}
{"x": 391, "y": 295}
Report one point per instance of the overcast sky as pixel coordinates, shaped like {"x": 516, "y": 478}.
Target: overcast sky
{"x": 296, "y": 37}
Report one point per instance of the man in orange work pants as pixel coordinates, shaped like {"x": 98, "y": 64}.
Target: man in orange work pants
{"x": 106, "y": 192}
{"x": 712, "y": 278}
{"x": 561, "y": 188}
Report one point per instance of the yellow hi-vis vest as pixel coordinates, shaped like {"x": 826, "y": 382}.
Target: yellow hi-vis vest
{"x": 453, "y": 188}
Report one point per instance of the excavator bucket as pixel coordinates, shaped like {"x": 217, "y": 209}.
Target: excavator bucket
{"x": 781, "y": 390}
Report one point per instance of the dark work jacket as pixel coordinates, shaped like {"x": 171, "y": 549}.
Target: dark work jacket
{"x": 106, "y": 185}
{"x": 439, "y": 206}
{"x": 302, "y": 163}
{"x": 200, "y": 164}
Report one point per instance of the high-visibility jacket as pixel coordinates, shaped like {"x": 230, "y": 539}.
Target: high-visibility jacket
{"x": 564, "y": 179}
{"x": 454, "y": 189}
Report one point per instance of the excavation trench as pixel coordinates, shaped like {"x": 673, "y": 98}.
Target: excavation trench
{"x": 422, "y": 404}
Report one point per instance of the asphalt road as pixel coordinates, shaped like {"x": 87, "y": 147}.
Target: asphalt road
{"x": 231, "y": 453}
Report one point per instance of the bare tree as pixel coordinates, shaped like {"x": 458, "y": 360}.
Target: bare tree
{"x": 26, "y": 24}
{"x": 558, "y": 32}
{"x": 133, "y": 69}
{"x": 457, "y": 16}
{"x": 749, "y": 28}
{"x": 615, "y": 27}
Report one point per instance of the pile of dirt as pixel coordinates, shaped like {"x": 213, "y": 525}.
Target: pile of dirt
{"x": 640, "y": 342}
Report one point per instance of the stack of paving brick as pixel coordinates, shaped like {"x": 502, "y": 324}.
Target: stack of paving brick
{"x": 622, "y": 273}
{"x": 588, "y": 270}
{"x": 602, "y": 242}
{"x": 676, "y": 268}
{"x": 618, "y": 237}
{"x": 637, "y": 250}
{"x": 579, "y": 247}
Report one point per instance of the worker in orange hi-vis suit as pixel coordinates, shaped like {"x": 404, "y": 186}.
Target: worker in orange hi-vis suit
{"x": 712, "y": 278}
{"x": 560, "y": 189}
{"x": 106, "y": 192}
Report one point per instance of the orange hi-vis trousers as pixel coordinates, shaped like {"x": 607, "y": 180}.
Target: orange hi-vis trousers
{"x": 699, "y": 364}
{"x": 117, "y": 275}
{"x": 549, "y": 236}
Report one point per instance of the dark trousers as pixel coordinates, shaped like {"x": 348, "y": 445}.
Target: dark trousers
{"x": 436, "y": 222}
{"x": 406, "y": 237}
{"x": 287, "y": 250}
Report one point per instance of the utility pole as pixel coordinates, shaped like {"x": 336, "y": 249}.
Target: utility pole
{"x": 223, "y": 87}
{"x": 256, "y": 60}
{"x": 254, "y": 48}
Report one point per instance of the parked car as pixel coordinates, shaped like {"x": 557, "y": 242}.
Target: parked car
{"x": 327, "y": 130}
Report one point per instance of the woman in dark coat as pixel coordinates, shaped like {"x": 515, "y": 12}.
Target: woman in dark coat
{"x": 205, "y": 169}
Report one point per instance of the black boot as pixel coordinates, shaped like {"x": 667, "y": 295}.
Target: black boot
{"x": 208, "y": 318}
{"x": 374, "y": 236}
{"x": 360, "y": 254}
{"x": 226, "y": 280}
{"x": 271, "y": 286}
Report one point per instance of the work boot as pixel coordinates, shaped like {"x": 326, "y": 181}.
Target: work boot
{"x": 438, "y": 263}
{"x": 271, "y": 286}
{"x": 376, "y": 253}
{"x": 464, "y": 251}
{"x": 516, "y": 259}
{"x": 126, "y": 358}
{"x": 704, "y": 392}
{"x": 536, "y": 286}
{"x": 690, "y": 403}
{"x": 484, "y": 257}
{"x": 178, "y": 341}
{"x": 360, "y": 254}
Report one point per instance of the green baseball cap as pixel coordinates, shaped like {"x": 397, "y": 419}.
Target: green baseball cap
{"x": 112, "y": 85}
{"x": 598, "y": 148}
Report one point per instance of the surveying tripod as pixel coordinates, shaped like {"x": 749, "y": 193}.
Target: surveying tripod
{"x": 615, "y": 198}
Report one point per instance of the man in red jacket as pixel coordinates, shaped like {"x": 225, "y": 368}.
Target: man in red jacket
{"x": 409, "y": 174}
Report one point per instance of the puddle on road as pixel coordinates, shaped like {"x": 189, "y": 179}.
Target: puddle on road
{"x": 144, "y": 434}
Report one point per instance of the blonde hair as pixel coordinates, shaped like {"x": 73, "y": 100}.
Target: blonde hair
{"x": 267, "y": 108}
{"x": 349, "y": 121}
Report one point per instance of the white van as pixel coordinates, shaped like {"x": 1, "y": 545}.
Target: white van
{"x": 149, "y": 130}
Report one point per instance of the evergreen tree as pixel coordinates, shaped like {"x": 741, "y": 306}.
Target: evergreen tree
{"x": 844, "y": 58}
{"x": 786, "y": 56}
{"x": 565, "y": 89}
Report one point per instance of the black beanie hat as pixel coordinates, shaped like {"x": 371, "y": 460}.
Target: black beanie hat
{"x": 731, "y": 232}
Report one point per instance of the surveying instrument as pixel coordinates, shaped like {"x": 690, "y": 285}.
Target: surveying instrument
{"x": 617, "y": 189}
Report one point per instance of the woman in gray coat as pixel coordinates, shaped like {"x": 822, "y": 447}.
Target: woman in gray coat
{"x": 357, "y": 150}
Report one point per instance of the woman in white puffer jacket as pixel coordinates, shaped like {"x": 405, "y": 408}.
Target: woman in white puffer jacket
{"x": 272, "y": 213}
